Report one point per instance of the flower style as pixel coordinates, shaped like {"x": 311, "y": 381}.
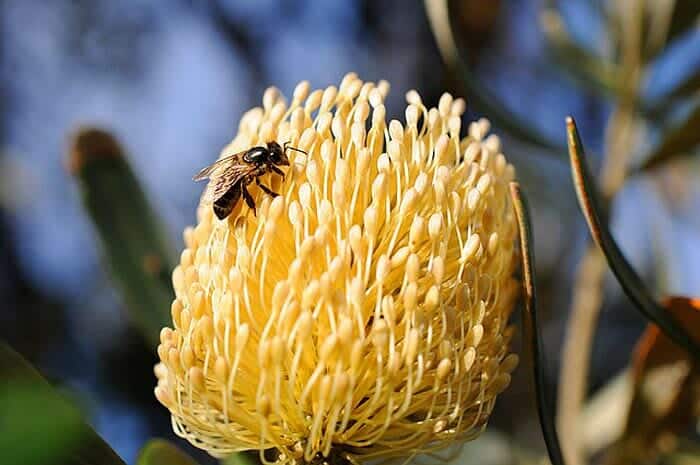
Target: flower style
{"x": 363, "y": 311}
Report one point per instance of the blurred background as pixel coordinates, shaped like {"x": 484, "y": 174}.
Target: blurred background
{"x": 171, "y": 80}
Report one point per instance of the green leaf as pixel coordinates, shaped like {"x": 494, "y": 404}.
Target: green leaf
{"x": 162, "y": 452}
{"x": 454, "y": 55}
{"x": 39, "y": 426}
{"x": 678, "y": 141}
{"x": 31, "y": 415}
{"x": 242, "y": 458}
{"x": 137, "y": 253}
{"x": 531, "y": 335}
{"x": 630, "y": 281}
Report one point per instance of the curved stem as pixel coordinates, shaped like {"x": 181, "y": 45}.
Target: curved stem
{"x": 588, "y": 296}
{"x": 531, "y": 335}
{"x": 631, "y": 283}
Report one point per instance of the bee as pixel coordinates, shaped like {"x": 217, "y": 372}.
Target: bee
{"x": 230, "y": 176}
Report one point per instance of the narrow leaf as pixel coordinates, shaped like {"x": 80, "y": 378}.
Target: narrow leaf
{"x": 678, "y": 141}
{"x": 162, "y": 452}
{"x": 531, "y": 335}
{"x": 38, "y": 426}
{"x": 242, "y": 458}
{"x": 136, "y": 251}
{"x": 30, "y": 415}
{"x": 629, "y": 280}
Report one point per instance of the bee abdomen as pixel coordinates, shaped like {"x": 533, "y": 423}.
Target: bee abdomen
{"x": 222, "y": 210}
{"x": 223, "y": 206}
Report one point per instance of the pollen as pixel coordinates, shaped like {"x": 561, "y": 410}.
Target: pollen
{"x": 363, "y": 311}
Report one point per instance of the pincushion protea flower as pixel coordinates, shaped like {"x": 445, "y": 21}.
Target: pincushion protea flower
{"x": 362, "y": 312}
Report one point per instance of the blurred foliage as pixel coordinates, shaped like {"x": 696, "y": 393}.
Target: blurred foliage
{"x": 136, "y": 251}
{"x": 685, "y": 16}
{"x": 161, "y": 452}
{"x": 242, "y": 458}
{"x": 616, "y": 68}
{"x": 578, "y": 62}
{"x": 677, "y": 141}
{"x": 458, "y": 40}
{"x": 444, "y": 16}
{"x": 666, "y": 385}
{"x": 33, "y": 414}
{"x": 38, "y": 425}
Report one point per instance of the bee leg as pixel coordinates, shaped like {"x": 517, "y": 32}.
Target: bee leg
{"x": 249, "y": 200}
{"x": 278, "y": 171}
{"x": 266, "y": 189}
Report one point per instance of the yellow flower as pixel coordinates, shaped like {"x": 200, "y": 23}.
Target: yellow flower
{"x": 364, "y": 311}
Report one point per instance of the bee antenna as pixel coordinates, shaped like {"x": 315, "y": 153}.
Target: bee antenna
{"x": 287, "y": 147}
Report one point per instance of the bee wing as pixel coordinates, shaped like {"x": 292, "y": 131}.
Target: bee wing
{"x": 224, "y": 179}
{"x": 218, "y": 165}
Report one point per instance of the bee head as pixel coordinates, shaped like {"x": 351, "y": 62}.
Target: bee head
{"x": 278, "y": 155}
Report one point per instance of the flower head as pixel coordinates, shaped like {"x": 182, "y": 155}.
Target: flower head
{"x": 364, "y": 310}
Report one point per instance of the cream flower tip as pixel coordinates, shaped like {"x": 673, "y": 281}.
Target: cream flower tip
{"x": 363, "y": 311}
